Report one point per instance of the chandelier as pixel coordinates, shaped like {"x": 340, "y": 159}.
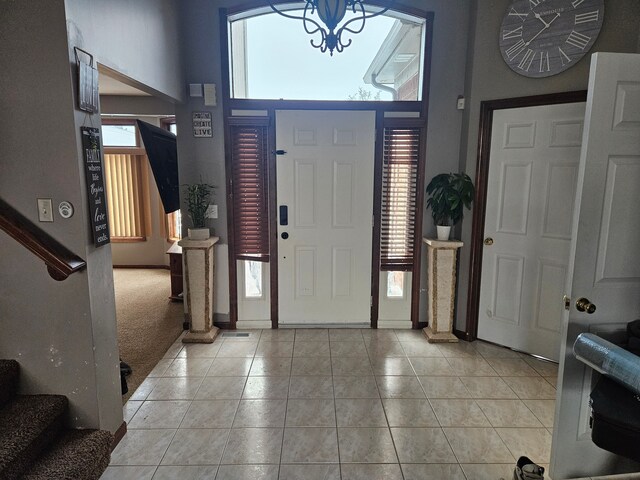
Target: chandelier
{"x": 331, "y": 13}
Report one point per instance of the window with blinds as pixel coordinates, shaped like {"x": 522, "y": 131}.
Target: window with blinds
{"x": 249, "y": 157}
{"x": 126, "y": 176}
{"x": 401, "y": 152}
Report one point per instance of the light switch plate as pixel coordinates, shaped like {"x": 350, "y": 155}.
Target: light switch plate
{"x": 210, "y": 94}
{"x": 195, "y": 90}
{"x": 45, "y": 210}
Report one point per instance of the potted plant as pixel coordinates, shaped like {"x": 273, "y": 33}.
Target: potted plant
{"x": 197, "y": 196}
{"x": 448, "y": 194}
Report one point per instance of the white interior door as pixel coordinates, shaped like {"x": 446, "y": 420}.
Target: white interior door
{"x": 605, "y": 260}
{"x": 533, "y": 172}
{"x": 326, "y": 181}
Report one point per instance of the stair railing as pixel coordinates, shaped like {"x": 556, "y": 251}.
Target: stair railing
{"x": 61, "y": 262}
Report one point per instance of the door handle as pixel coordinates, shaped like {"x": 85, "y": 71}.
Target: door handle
{"x": 284, "y": 215}
{"x": 584, "y": 305}
{"x": 488, "y": 241}
{"x": 284, "y": 235}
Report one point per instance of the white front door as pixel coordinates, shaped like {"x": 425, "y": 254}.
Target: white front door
{"x": 533, "y": 172}
{"x": 605, "y": 257}
{"x": 325, "y": 181}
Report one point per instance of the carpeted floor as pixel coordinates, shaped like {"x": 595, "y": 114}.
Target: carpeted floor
{"x": 148, "y": 323}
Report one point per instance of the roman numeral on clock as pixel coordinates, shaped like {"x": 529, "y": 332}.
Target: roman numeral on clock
{"x": 578, "y": 40}
{"x": 514, "y": 50}
{"x": 544, "y": 62}
{"x": 527, "y": 60}
{"x": 535, "y": 3}
{"x": 521, "y": 16}
{"x": 576, "y": 3}
{"x": 507, "y": 34}
{"x": 587, "y": 17}
{"x": 563, "y": 57}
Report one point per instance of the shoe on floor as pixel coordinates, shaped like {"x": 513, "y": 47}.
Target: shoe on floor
{"x": 527, "y": 470}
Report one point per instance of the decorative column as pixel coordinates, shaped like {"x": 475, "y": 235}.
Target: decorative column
{"x": 441, "y": 259}
{"x": 198, "y": 264}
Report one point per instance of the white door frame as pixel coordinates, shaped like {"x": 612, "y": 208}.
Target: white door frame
{"x": 480, "y": 203}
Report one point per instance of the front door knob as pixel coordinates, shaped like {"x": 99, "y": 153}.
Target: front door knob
{"x": 488, "y": 241}
{"x": 584, "y": 305}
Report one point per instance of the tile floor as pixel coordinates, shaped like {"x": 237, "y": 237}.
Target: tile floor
{"x": 337, "y": 404}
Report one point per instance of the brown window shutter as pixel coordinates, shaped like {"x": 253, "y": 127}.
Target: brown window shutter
{"x": 401, "y": 153}
{"x": 249, "y": 156}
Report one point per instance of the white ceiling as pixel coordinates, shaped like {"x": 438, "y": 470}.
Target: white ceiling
{"x": 110, "y": 86}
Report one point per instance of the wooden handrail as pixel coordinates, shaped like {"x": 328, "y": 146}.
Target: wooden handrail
{"x": 61, "y": 262}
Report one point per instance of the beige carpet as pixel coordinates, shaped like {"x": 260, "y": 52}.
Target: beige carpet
{"x": 148, "y": 323}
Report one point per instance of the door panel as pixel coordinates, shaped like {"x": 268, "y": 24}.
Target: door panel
{"x": 605, "y": 264}
{"x": 326, "y": 180}
{"x": 530, "y": 200}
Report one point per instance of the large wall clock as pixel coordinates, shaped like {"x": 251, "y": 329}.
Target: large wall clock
{"x": 540, "y": 38}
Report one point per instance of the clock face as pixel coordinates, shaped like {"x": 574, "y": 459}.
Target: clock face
{"x": 540, "y": 38}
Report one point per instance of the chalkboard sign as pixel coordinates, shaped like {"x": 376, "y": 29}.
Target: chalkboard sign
{"x": 95, "y": 185}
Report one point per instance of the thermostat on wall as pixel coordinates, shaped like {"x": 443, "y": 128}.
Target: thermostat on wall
{"x": 65, "y": 209}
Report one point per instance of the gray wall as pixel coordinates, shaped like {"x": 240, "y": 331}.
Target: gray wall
{"x": 64, "y": 333}
{"x": 204, "y": 158}
{"x": 489, "y": 78}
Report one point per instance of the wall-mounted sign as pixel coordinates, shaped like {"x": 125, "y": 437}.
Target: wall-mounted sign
{"x": 91, "y": 147}
{"x": 202, "y": 124}
{"x": 87, "y": 81}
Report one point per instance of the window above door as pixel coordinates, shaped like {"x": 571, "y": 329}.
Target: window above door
{"x": 271, "y": 58}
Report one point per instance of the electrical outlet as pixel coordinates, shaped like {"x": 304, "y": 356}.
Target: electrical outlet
{"x": 212, "y": 211}
{"x": 45, "y": 210}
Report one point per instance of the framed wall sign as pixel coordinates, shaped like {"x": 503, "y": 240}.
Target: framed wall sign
{"x": 202, "y": 126}
{"x": 92, "y": 153}
{"x": 88, "y": 95}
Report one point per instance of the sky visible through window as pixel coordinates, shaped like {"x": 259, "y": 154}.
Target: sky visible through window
{"x": 282, "y": 64}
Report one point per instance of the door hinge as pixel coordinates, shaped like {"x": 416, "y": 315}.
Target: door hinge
{"x": 567, "y": 302}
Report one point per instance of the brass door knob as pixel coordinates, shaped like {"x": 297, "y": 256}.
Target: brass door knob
{"x": 584, "y": 305}
{"x": 488, "y": 241}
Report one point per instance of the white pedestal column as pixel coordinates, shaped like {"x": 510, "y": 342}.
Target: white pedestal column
{"x": 441, "y": 259}
{"x": 198, "y": 269}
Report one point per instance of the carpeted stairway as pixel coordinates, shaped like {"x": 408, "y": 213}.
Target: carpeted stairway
{"x": 35, "y": 445}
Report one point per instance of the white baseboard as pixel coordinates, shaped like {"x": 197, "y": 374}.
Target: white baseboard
{"x": 251, "y": 324}
{"x": 399, "y": 324}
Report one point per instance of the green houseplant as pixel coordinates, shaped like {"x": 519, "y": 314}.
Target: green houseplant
{"x": 197, "y": 196}
{"x": 448, "y": 195}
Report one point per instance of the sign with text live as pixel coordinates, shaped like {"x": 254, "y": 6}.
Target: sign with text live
{"x": 95, "y": 185}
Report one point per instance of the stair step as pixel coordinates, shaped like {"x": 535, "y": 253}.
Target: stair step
{"x": 9, "y": 373}
{"x": 79, "y": 454}
{"x": 27, "y": 426}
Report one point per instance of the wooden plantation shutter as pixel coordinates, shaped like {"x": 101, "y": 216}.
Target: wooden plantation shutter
{"x": 249, "y": 158}
{"x": 401, "y": 152}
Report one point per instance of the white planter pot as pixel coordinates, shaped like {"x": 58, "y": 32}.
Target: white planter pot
{"x": 198, "y": 233}
{"x": 443, "y": 232}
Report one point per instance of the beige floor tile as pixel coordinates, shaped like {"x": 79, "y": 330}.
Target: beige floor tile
{"x": 312, "y": 334}
{"x": 444, "y": 387}
{"x": 253, "y": 446}
{"x": 553, "y": 381}
{"x": 360, "y": 412}
{"x": 310, "y": 472}
{"x": 488, "y": 472}
{"x": 422, "y": 445}
{"x": 142, "y": 447}
{"x": 206, "y": 350}
{"x": 159, "y": 414}
{"x": 130, "y": 408}
{"x": 534, "y": 443}
{"x": 544, "y": 368}
{"x": 310, "y": 445}
{"x": 129, "y": 473}
{"x": 270, "y": 367}
{"x": 460, "y": 349}
{"x": 391, "y": 366}
{"x": 306, "y": 412}
{"x": 420, "y": 348}
{"x": 215, "y": 388}
{"x": 311, "y": 366}
{"x": 260, "y": 413}
{"x": 160, "y": 367}
{"x": 409, "y": 412}
{"x": 348, "y": 349}
{"x": 508, "y": 413}
{"x": 250, "y": 335}
{"x": 189, "y": 472}
{"x": 385, "y": 349}
{"x": 351, "y": 366}
{"x": 531, "y": 388}
{"x": 314, "y": 386}
{"x": 238, "y": 349}
{"x": 311, "y": 349}
{"x": 210, "y": 414}
{"x": 196, "y": 447}
{"x": 372, "y": 471}
{"x": 145, "y": 388}
{"x": 488, "y": 387}
{"x": 399, "y": 387}
{"x": 544, "y": 410}
{"x": 355, "y": 387}
{"x": 478, "y": 445}
{"x": 188, "y": 367}
{"x": 471, "y": 367}
{"x": 410, "y": 335}
{"x": 175, "y": 388}
{"x": 379, "y": 334}
{"x": 230, "y": 367}
{"x": 459, "y": 413}
{"x": 511, "y": 367}
{"x": 366, "y": 445}
{"x": 274, "y": 349}
{"x": 345, "y": 334}
{"x": 432, "y": 472}
{"x": 266, "y": 387}
{"x": 488, "y": 350}
{"x": 432, "y": 367}
{"x": 278, "y": 335}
